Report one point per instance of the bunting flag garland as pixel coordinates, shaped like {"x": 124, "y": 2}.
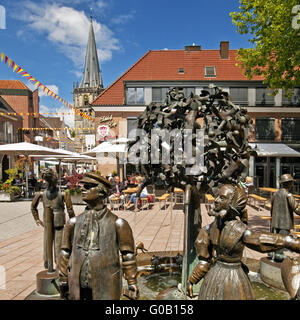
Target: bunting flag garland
{"x": 37, "y": 114}
{"x": 20, "y": 71}
{"x": 56, "y": 129}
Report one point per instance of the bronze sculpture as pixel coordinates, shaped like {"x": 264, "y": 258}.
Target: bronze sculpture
{"x": 290, "y": 274}
{"x": 226, "y": 152}
{"x": 89, "y": 263}
{"x": 283, "y": 206}
{"x": 53, "y": 218}
{"x": 220, "y": 248}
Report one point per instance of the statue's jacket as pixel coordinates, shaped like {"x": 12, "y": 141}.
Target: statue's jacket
{"x": 101, "y": 241}
{"x": 56, "y": 207}
{"x": 282, "y": 210}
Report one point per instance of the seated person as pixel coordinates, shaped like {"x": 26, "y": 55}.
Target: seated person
{"x": 117, "y": 188}
{"x": 248, "y": 185}
{"x": 32, "y": 182}
{"x": 17, "y": 180}
{"x": 132, "y": 182}
{"x": 132, "y": 200}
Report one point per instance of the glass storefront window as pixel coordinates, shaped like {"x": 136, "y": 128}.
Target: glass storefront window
{"x": 239, "y": 95}
{"x": 294, "y": 100}
{"x": 264, "y": 129}
{"x": 159, "y": 94}
{"x": 264, "y": 96}
{"x": 290, "y": 128}
{"x": 131, "y": 125}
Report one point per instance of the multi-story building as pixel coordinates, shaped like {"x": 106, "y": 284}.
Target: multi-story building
{"x": 276, "y": 137}
{"x": 84, "y": 94}
{"x": 23, "y": 101}
{"x": 55, "y": 134}
{"x": 10, "y": 122}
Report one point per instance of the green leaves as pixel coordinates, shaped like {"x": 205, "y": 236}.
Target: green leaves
{"x": 276, "y": 44}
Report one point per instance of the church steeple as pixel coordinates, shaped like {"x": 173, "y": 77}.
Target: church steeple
{"x": 92, "y": 77}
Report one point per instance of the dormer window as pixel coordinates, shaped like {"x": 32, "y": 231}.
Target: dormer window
{"x": 180, "y": 70}
{"x": 210, "y": 71}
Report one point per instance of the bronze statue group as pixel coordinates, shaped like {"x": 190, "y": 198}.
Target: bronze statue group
{"x": 88, "y": 246}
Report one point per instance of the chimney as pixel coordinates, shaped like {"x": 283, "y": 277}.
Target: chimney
{"x": 192, "y": 48}
{"x": 224, "y": 49}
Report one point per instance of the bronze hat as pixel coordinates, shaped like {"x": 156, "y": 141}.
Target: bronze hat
{"x": 91, "y": 177}
{"x": 286, "y": 178}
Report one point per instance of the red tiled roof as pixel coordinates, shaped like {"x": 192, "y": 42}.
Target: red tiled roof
{"x": 163, "y": 65}
{"x": 12, "y": 84}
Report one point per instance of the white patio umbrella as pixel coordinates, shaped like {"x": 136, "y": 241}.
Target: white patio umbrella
{"x": 69, "y": 157}
{"x": 26, "y": 148}
{"x": 107, "y": 146}
{"x": 112, "y": 147}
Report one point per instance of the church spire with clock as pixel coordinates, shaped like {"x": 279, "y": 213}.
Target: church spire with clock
{"x": 90, "y": 87}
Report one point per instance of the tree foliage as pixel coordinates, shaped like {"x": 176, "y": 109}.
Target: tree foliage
{"x": 275, "y": 50}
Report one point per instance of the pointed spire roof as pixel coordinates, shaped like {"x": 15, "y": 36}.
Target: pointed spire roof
{"x": 92, "y": 77}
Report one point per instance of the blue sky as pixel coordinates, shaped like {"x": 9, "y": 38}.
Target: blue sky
{"x": 48, "y": 38}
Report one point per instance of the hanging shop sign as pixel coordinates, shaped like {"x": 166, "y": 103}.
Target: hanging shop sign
{"x": 103, "y": 130}
{"x": 111, "y": 124}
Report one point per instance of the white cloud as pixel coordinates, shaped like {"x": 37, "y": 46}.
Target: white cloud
{"x": 78, "y": 74}
{"x": 44, "y": 109}
{"x": 68, "y": 28}
{"x": 122, "y": 18}
{"x": 68, "y": 118}
{"x": 51, "y": 87}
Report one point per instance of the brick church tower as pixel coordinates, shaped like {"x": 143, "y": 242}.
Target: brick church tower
{"x": 91, "y": 86}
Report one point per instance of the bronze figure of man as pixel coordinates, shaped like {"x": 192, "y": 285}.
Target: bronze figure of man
{"x": 220, "y": 247}
{"x": 283, "y": 206}
{"x": 89, "y": 263}
{"x": 53, "y": 218}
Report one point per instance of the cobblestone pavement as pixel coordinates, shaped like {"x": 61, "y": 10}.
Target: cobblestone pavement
{"x": 21, "y": 240}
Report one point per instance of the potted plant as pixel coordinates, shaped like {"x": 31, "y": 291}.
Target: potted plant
{"x": 8, "y": 192}
{"x": 73, "y": 188}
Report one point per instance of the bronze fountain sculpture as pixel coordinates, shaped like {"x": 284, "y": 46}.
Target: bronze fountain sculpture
{"x": 283, "y": 206}
{"x": 89, "y": 264}
{"x": 226, "y": 157}
{"x": 54, "y": 202}
{"x": 225, "y": 152}
{"x": 220, "y": 248}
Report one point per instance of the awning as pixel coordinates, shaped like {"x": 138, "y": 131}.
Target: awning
{"x": 274, "y": 150}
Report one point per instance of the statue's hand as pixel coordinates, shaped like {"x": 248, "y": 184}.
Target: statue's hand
{"x": 132, "y": 292}
{"x": 39, "y": 222}
{"x": 189, "y": 289}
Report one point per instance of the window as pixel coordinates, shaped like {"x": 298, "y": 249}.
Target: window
{"x": 264, "y": 129}
{"x": 264, "y": 96}
{"x": 131, "y": 125}
{"x": 135, "y": 95}
{"x": 2, "y": 133}
{"x": 290, "y": 129}
{"x": 181, "y": 70}
{"x": 239, "y": 95}
{"x": 188, "y": 91}
{"x": 159, "y": 94}
{"x": 20, "y": 135}
{"x": 210, "y": 71}
{"x": 294, "y": 100}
